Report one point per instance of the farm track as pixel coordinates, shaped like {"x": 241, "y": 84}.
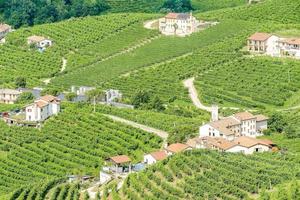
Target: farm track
{"x": 160, "y": 133}
{"x": 63, "y": 68}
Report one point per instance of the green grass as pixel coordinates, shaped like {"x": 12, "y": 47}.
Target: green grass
{"x": 207, "y": 5}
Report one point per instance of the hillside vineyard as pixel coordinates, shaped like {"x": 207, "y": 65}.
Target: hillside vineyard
{"x": 150, "y": 100}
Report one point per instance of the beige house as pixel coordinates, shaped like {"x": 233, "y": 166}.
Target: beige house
{"x": 289, "y": 47}
{"x": 9, "y": 96}
{"x": 263, "y": 43}
{"x": 4, "y": 30}
{"x": 40, "y": 41}
{"x": 239, "y": 124}
{"x": 180, "y": 24}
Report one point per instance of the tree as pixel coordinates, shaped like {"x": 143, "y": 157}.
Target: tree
{"x": 25, "y": 98}
{"x": 140, "y": 98}
{"x": 96, "y": 94}
{"x": 50, "y": 91}
{"x": 291, "y": 131}
{"x": 20, "y": 82}
{"x": 157, "y": 104}
{"x": 277, "y": 122}
{"x": 177, "y": 5}
{"x": 70, "y": 96}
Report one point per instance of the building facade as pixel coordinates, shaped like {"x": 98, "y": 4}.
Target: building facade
{"x": 4, "y": 30}
{"x": 39, "y": 41}
{"x": 180, "y": 24}
{"x": 9, "y": 96}
{"x": 272, "y": 45}
{"x": 239, "y": 124}
{"x": 42, "y": 109}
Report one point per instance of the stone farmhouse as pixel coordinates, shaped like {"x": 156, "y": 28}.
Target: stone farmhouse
{"x": 4, "y": 30}
{"x": 180, "y": 24}
{"x": 39, "y": 41}
{"x": 239, "y": 124}
{"x": 176, "y": 148}
{"x": 272, "y": 45}
{"x": 9, "y": 96}
{"x": 42, "y": 109}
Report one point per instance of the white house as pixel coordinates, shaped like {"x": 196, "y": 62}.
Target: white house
{"x": 112, "y": 95}
{"x": 4, "y": 30}
{"x": 248, "y": 145}
{"x": 180, "y": 24}
{"x": 42, "y": 108}
{"x": 155, "y": 157}
{"x": 273, "y": 45}
{"x": 239, "y": 124}
{"x": 9, "y": 96}
{"x": 81, "y": 90}
{"x": 243, "y": 144}
{"x": 40, "y": 41}
{"x": 290, "y": 47}
{"x": 264, "y": 43}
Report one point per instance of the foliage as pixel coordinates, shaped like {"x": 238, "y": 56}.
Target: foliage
{"x": 206, "y": 5}
{"x": 25, "y": 98}
{"x": 28, "y": 12}
{"x": 20, "y": 82}
{"x": 70, "y": 96}
{"x": 177, "y": 5}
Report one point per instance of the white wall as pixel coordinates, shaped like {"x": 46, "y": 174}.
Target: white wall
{"x": 248, "y": 128}
{"x": 148, "y": 159}
{"x": 272, "y": 44}
{"x": 207, "y": 130}
{"x": 247, "y": 151}
{"x": 262, "y": 125}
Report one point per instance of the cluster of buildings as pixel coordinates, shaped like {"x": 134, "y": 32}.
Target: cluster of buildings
{"x": 9, "y": 96}
{"x": 40, "y": 42}
{"x": 272, "y": 45}
{"x": 181, "y": 24}
{"x": 4, "y": 30}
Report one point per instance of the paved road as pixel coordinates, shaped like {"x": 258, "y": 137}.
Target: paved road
{"x": 160, "y": 133}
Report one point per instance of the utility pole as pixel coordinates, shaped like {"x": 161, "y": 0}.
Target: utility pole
{"x": 94, "y": 103}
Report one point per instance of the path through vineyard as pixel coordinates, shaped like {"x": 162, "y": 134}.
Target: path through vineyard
{"x": 63, "y": 67}
{"x": 189, "y": 84}
{"x": 160, "y": 133}
{"x": 149, "y": 24}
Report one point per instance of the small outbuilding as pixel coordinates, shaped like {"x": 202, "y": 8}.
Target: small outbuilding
{"x": 39, "y": 41}
{"x": 155, "y": 157}
{"x": 121, "y": 164}
{"x": 177, "y": 148}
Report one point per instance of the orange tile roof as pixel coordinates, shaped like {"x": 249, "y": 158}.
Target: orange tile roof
{"x": 244, "y": 116}
{"x": 4, "y": 27}
{"x": 177, "y": 147}
{"x": 159, "y": 155}
{"x": 249, "y": 142}
{"x": 41, "y": 104}
{"x": 293, "y": 41}
{"x": 120, "y": 159}
{"x": 218, "y": 142}
{"x": 49, "y": 98}
{"x": 260, "y": 36}
{"x": 260, "y": 118}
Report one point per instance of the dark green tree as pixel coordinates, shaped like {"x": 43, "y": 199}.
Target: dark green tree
{"x": 157, "y": 104}
{"x": 25, "y": 97}
{"x": 177, "y": 5}
{"x": 140, "y": 98}
{"x": 20, "y": 82}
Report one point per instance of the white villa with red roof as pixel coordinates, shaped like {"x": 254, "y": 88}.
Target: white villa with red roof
{"x": 180, "y": 24}
{"x": 272, "y": 45}
{"x": 39, "y": 41}
{"x": 42, "y": 108}
{"x": 239, "y": 124}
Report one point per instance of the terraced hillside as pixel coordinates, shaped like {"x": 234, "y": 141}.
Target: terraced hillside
{"x": 210, "y": 175}
{"x": 76, "y": 141}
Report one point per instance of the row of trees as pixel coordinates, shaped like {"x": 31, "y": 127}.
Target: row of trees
{"x": 30, "y": 12}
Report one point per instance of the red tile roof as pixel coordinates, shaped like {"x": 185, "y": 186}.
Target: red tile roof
{"x": 49, "y": 98}
{"x": 171, "y": 15}
{"x": 120, "y": 159}
{"x": 260, "y": 36}
{"x": 159, "y": 155}
{"x": 177, "y": 147}
{"x": 293, "y": 41}
{"x": 36, "y": 39}
{"x": 250, "y": 142}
